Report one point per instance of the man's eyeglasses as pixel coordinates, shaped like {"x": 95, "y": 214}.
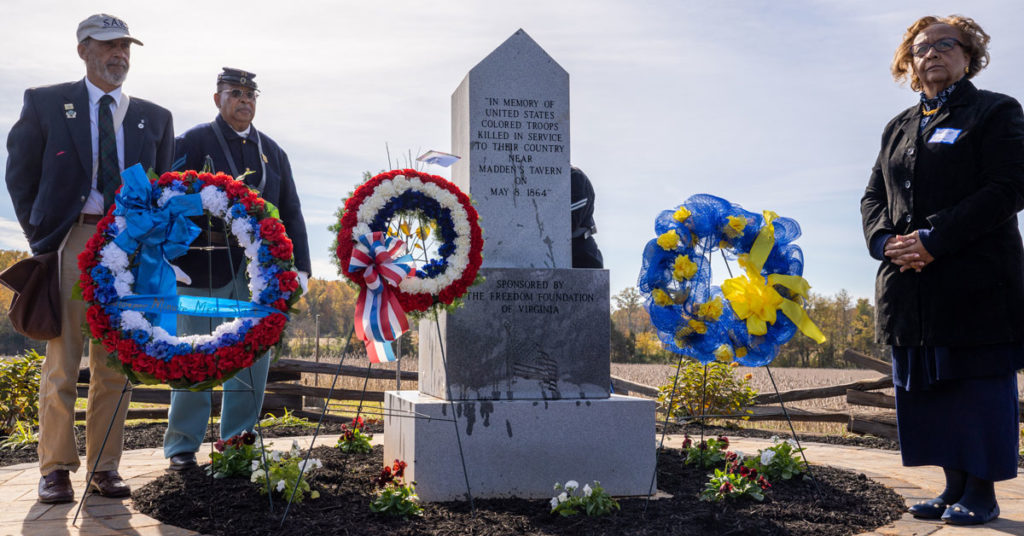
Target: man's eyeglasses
{"x": 237, "y": 93}
{"x": 920, "y": 50}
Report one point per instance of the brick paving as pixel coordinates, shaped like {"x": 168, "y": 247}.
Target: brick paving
{"x": 21, "y": 514}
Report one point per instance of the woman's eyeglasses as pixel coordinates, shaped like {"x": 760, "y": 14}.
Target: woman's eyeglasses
{"x": 920, "y": 50}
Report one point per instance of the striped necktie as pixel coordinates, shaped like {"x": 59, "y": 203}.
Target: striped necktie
{"x": 108, "y": 174}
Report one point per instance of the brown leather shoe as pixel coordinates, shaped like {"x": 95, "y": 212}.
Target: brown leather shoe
{"x": 109, "y": 484}
{"x": 56, "y": 488}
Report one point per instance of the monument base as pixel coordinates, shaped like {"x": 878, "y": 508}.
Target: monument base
{"x": 520, "y": 448}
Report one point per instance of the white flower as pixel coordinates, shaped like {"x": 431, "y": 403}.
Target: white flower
{"x": 792, "y": 442}
{"x": 587, "y": 490}
{"x": 562, "y": 497}
{"x": 255, "y": 465}
{"x": 257, "y": 475}
{"x": 280, "y": 485}
{"x": 774, "y": 439}
{"x": 113, "y": 258}
{"x": 554, "y": 502}
{"x": 123, "y": 282}
{"x": 135, "y": 320}
{"x": 767, "y": 456}
{"x": 739, "y": 454}
{"x": 215, "y": 201}
{"x": 243, "y": 232}
{"x": 571, "y": 485}
{"x": 166, "y": 196}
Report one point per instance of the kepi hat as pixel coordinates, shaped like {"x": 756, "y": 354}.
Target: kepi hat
{"x": 237, "y": 77}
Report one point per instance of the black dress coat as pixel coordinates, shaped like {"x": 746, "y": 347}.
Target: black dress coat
{"x": 191, "y": 150}
{"x": 49, "y": 156}
{"x": 967, "y": 193}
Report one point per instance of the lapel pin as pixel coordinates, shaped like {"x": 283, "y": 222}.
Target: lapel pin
{"x": 69, "y": 110}
{"x": 142, "y": 123}
{"x": 265, "y": 161}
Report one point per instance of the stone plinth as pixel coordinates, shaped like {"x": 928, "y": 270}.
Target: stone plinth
{"x": 510, "y": 124}
{"x": 520, "y": 448}
{"x": 522, "y": 334}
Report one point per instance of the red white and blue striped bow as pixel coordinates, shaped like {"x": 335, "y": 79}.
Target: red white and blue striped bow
{"x": 380, "y": 318}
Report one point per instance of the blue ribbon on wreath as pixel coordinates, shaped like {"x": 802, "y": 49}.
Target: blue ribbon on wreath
{"x": 158, "y": 234}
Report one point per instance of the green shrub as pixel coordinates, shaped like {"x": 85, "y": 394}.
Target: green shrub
{"x": 19, "y": 391}
{"x": 721, "y": 393}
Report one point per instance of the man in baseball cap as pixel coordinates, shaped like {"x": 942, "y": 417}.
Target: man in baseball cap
{"x": 64, "y": 161}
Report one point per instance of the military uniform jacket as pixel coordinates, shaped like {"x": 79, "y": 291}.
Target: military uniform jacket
{"x": 49, "y": 156}
{"x": 191, "y": 150}
{"x": 963, "y": 178}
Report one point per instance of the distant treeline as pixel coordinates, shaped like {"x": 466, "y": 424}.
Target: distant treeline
{"x": 847, "y": 323}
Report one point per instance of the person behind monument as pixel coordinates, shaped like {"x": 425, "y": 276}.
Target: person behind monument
{"x": 940, "y": 213}
{"x": 231, "y": 144}
{"x": 65, "y": 155}
{"x": 585, "y": 253}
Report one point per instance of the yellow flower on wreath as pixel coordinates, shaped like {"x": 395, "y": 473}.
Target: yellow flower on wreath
{"x": 684, "y": 268}
{"x": 681, "y": 214}
{"x": 669, "y": 240}
{"x": 661, "y": 298}
{"x": 711, "y": 309}
{"x": 735, "y": 226}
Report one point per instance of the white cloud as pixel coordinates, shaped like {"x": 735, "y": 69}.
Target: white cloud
{"x": 11, "y": 236}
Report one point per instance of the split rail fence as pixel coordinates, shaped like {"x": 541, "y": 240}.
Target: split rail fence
{"x": 285, "y": 392}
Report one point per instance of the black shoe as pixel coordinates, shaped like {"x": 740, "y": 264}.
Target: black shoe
{"x": 959, "y": 514}
{"x": 183, "y": 461}
{"x": 932, "y": 509}
{"x": 110, "y": 484}
{"x": 56, "y": 488}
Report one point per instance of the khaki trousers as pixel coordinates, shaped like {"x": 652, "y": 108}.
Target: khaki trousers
{"x": 57, "y": 389}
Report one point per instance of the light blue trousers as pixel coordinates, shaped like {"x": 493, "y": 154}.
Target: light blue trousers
{"x": 242, "y": 396}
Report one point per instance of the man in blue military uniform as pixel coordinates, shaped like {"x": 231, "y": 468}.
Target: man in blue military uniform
{"x": 229, "y": 144}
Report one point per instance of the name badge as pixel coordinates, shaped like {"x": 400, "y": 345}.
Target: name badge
{"x": 945, "y": 135}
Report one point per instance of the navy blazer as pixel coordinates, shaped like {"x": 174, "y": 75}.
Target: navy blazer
{"x": 49, "y": 157}
{"x": 191, "y": 150}
{"x": 962, "y": 178}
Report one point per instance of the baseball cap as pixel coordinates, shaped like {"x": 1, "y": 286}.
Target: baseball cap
{"x": 103, "y": 27}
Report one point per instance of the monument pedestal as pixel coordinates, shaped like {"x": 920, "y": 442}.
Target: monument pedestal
{"x": 520, "y": 448}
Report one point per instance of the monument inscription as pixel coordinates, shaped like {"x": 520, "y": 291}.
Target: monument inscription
{"x": 511, "y": 124}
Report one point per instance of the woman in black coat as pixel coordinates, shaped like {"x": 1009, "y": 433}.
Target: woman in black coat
{"x": 940, "y": 212}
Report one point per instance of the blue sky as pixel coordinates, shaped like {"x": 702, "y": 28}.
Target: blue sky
{"x": 773, "y": 105}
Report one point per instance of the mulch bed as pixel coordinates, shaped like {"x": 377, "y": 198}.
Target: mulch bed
{"x": 848, "y": 503}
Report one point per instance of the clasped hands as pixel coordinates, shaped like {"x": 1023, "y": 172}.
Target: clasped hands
{"x": 907, "y": 252}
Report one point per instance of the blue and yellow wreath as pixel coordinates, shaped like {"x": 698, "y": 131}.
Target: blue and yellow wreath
{"x": 739, "y": 320}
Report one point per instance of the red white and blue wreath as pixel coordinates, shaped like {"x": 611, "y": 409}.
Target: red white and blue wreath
{"x": 129, "y": 284}
{"x": 412, "y": 242}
